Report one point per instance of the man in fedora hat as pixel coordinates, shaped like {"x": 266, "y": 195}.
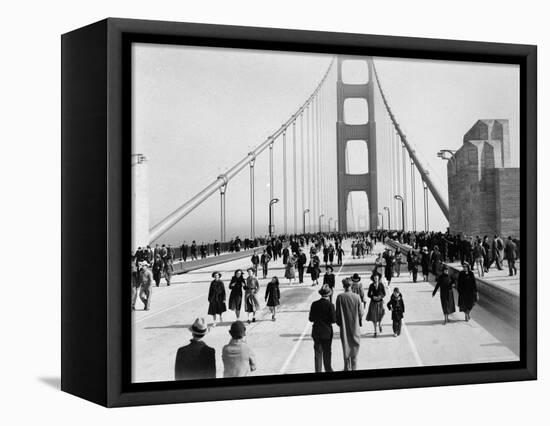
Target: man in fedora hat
{"x": 238, "y": 358}
{"x": 322, "y": 314}
{"x": 145, "y": 281}
{"x": 197, "y": 360}
{"x": 357, "y": 287}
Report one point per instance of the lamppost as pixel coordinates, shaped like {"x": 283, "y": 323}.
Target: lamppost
{"x": 382, "y": 221}
{"x": 306, "y": 211}
{"x": 273, "y": 201}
{"x": 329, "y": 220}
{"x": 389, "y": 219}
{"x": 223, "y": 189}
{"x": 320, "y": 224}
{"x": 400, "y": 198}
{"x": 449, "y": 155}
{"x": 336, "y": 225}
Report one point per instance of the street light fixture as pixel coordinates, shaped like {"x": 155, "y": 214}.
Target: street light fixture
{"x": 400, "y": 198}
{"x": 382, "y": 221}
{"x": 306, "y": 211}
{"x": 389, "y": 219}
{"x": 320, "y": 225}
{"x": 271, "y": 202}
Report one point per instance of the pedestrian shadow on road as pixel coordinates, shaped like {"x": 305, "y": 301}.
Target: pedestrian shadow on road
{"x": 427, "y": 323}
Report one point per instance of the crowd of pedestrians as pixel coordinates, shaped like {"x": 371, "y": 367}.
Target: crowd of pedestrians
{"x": 316, "y": 255}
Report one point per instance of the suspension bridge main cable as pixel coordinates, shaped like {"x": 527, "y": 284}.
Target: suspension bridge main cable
{"x": 178, "y": 214}
{"x": 441, "y": 202}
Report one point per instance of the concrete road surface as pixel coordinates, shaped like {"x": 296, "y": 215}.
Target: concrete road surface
{"x": 285, "y": 346}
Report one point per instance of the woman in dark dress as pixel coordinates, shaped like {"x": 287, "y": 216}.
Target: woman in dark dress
{"x": 467, "y": 290}
{"x": 273, "y": 296}
{"x": 330, "y": 280}
{"x": 314, "y": 268}
{"x": 216, "y": 297}
{"x": 236, "y": 295}
{"x": 376, "y": 295}
{"x": 444, "y": 283}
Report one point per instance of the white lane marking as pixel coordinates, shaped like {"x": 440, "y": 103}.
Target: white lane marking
{"x": 419, "y": 362}
{"x": 306, "y": 329}
{"x": 168, "y": 309}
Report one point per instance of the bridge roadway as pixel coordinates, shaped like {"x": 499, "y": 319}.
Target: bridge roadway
{"x": 285, "y": 346}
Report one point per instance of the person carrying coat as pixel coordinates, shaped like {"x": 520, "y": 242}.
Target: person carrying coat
{"x": 216, "y": 297}
{"x": 397, "y": 308}
{"x": 273, "y": 296}
{"x": 349, "y": 314}
{"x": 444, "y": 283}
{"x": 236, "y": 294}
{"x": 322, "y": 314}
{"x": 467, "y": 290}
{"x": 290, "y": 268}
{"x": 252, "y": 287}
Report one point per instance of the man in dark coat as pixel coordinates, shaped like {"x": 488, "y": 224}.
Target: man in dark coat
{"x": 302, "y": 260}
{"x": 510, "y": 250}
{"x": 322, "y": 314}
{"x": 255, "y": 260}
{"x": 197, "y": 360}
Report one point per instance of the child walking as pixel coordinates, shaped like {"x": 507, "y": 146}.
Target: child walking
{"x": 397, "y": 308}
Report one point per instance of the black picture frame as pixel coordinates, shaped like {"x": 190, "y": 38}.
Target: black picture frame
{"x": 96, "y": 212}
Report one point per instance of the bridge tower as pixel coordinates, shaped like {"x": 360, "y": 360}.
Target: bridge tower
{"x": 366, "y": 182}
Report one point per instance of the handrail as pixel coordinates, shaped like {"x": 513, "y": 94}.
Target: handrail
{"x": 169, "y": 221}
{"x": 412, "y": 153}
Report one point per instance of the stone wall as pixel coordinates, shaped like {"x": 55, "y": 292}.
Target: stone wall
{"x": 483, "y": 189}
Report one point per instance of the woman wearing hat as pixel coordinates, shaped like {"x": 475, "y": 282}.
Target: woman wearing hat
{"x": 425, "y": 262}
{"x": 444, "y": 283}
{"x": 216, "y": 297}
{"x": 252, "y": 287}
{"x": 376, "y": 295}
{"x": 314, "y": 268}
{"x": 290, "y": 268}
{"x": 272, "y": 296}
{"x": 388, "y": 267}
{"x": 238, "y": 358}
{"x": 236, "y": 295}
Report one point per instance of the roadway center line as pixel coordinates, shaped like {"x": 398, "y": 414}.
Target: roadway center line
{"x": 306, "y": 328}
{"x": 419, "y": 362}
{"x": 168, "y": 309}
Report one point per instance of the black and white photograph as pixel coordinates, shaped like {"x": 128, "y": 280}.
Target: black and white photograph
{"x": 308, "y": 213}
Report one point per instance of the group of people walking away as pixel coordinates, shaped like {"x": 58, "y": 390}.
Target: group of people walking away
{"x": 197, "y": 360}
{"x": 347, "y": 310}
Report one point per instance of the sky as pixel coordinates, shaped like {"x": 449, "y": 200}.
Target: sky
{"x": 197, "y": 111}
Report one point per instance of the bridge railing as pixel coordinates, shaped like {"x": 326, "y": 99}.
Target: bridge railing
{"x": 495, "y": 298}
